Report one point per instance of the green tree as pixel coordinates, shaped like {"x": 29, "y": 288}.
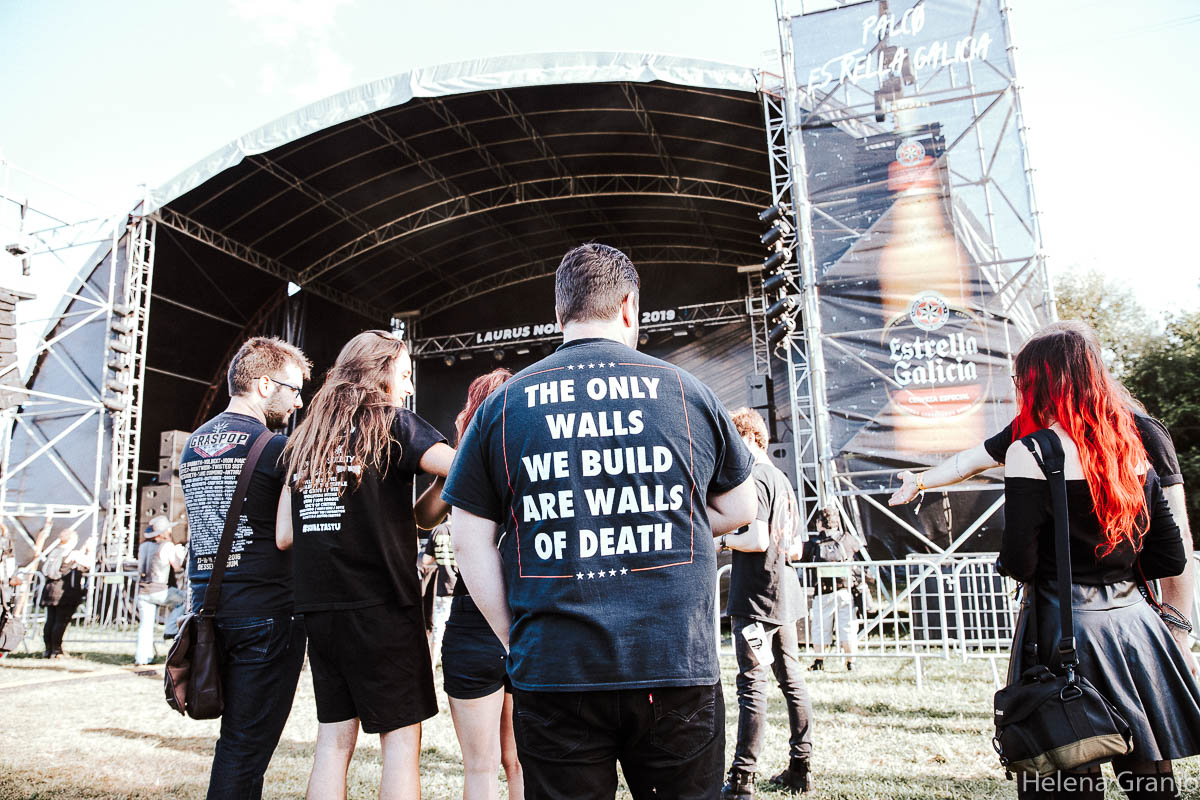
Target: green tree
{"x": 1111, "y": 309}
{"x": 1167, "y": 379}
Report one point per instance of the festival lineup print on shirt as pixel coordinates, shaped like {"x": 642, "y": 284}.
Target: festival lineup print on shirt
{"x": 210, "y": 481}
{"x": 598, "y": 493}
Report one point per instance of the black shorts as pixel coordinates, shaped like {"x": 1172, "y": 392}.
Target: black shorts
{"x": 371, "y": 663}
{"x": 474, "y": 663}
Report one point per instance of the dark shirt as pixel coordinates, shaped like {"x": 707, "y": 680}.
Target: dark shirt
{"x": 258, "y": 575}
{"x": 763, "y": 586}
{"x": 597, "y": 463}
{"x": 439, "y": 549}
{"x": 1027, "y": 549}
{"x": 359, "y": 549}
{"x": 1155, "y": 438}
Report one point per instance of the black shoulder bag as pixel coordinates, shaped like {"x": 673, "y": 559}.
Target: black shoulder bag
{"x": 192, "y": 676}
{"x": 1046, "y": 722}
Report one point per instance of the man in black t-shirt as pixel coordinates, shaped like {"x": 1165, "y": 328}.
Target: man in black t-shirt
{"x": 261, "y": 643}
{"x": 586, "y": 491}
{"x": 763, "y": 592}
{"x": 439, "y": 556}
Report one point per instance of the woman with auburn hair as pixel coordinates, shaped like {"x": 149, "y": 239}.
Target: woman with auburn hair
{"x": 350, "y": 465}
{"x": 473, "y": 662}
{"x": 1121, "y": 532}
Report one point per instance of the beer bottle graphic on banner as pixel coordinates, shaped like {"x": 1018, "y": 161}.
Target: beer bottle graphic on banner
{"x": 931, "y": 335}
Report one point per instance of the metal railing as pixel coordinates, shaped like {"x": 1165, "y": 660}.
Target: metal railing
{"x": 108, "y": 612}
{"x": 921, "y": 607}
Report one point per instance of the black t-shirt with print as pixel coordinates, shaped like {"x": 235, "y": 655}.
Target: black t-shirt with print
{"x": 597, "y": 462}
{"x": 761, "y": 585}
{"x": 258, "y": 575}
{"x": 360, "y": 549}
{"x": 1155, "y": 438}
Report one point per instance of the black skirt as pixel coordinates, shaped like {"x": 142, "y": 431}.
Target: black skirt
{"x": 1126, "y": 651}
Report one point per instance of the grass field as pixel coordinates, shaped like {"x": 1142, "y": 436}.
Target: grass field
{"x": 88, "y": 726}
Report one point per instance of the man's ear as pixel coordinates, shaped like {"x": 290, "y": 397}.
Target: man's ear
{"x": 629, "y": 310}
{"x": 263, "y": 385}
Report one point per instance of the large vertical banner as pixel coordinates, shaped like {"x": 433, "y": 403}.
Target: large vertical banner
{"x": 926, "y": 248}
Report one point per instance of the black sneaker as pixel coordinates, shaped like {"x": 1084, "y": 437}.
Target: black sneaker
{"x": 794, "y": 779}
{"x": 817, "y": 665}
{"x": 738, "y": 786}
{"x": 849, "y": 665}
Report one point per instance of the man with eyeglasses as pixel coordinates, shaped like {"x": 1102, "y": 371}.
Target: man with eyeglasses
{"x": 261, "y": 643}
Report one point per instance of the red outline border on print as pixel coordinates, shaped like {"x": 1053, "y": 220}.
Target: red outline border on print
{"x": 691, "y": 473}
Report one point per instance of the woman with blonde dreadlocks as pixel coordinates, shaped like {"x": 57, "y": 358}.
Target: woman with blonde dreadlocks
{"x": 350, "y": 467}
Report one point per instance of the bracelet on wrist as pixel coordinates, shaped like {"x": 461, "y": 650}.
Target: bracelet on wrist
{"x": 920, "y": 478}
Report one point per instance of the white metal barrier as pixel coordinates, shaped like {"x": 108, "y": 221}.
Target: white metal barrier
{"x": 108, "y": 612}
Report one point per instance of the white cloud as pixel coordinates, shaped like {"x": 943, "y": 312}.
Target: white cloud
{"x": 297, "y": 45}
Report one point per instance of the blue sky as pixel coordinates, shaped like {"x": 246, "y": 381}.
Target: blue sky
{"x": 97, "y": 97}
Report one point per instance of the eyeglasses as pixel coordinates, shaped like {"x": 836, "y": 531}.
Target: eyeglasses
{"x": 295, "y": 389}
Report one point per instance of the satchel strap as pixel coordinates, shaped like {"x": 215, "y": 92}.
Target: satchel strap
{"x": 212, "y": 597}
{"x": 1052, "y": 461}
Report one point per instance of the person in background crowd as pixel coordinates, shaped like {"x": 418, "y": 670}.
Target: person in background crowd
{"x": 64, "y": 565}
{"x": 833, "y": 607}
{"x": 584, "y": 493}
{"x": 20, "y": 579}
{"x": 439, "y": 556}
{"x": 1176, "y": 590}
{"x": 1121, "y": 527}
{"x": 261, "y": 641}
{"x": 349, "y": 515}
{"x": 473, "y": 662}
{"x": 157, "y": 557}
{"x": 763, "y": 595}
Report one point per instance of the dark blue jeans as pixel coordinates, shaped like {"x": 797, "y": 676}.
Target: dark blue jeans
{"x": 670, "y": 742}
{"x": 262, "y": 656}
{"x": 752, "y": 681}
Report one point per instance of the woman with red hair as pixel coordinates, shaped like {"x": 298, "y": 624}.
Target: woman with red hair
{"x": 474, "y": 661}
{"x": 1121, "y": 532}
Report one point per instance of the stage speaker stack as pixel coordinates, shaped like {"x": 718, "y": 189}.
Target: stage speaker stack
{"x": 761, "y": 397}
{"x": 166, "y": 496}
{"x": 9, "y": 374}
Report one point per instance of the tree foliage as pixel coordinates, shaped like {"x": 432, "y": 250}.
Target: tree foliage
{"x": 1167, "y": 379}
{"x": 1112, "y": 310}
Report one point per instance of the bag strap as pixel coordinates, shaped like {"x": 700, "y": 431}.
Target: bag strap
{"x": 212, "y": 597}
{"x": 1052, "y": 460}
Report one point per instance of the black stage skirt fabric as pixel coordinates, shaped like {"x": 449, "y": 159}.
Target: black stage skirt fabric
{"x": 1126, "y": 651}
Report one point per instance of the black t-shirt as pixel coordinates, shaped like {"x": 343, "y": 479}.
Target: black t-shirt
{"x": 1027, "y": 549}
{"x": 761, "y": 585}
{"x": 439, "y": 549}
{"x": 1155, "y": 438}
{"x": 597, "y": 462}
{"x": 360, "y": 549}
{"x": 258, "y": 575}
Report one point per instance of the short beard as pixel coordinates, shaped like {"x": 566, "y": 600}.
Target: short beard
{"x": 277, "y": 415}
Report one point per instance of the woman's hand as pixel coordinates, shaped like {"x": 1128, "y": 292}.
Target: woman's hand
{"x": 908, "y": 489}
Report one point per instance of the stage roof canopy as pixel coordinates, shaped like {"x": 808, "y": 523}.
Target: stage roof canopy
{"x": 451, "y": 192}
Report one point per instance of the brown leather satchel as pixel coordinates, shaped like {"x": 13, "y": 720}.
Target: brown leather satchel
{"x": 192, "y": 677}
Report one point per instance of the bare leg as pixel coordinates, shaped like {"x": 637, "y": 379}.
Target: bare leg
{"x": 335, "y": 746}
{"x": 508, "y": 752}
{"x": 477, "y": 723}
{"x": 401, "y": 763}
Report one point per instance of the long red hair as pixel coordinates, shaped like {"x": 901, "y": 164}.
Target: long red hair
{"x": 477, "y": 392}
{"x": 1061, "y": 377}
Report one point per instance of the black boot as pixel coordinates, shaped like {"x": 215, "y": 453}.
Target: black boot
{"x": 793, "y": 779}
{"x": 738, "y": 786}
{"x": 817, "y": 664}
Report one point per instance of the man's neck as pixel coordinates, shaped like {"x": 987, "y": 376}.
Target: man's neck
{"x": 760, "y": 455}
{"x": 240, "y": 405}
{"x": 594, "y": 329}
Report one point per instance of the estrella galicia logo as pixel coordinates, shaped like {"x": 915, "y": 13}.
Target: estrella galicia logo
{"x": 929, "y": 311}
